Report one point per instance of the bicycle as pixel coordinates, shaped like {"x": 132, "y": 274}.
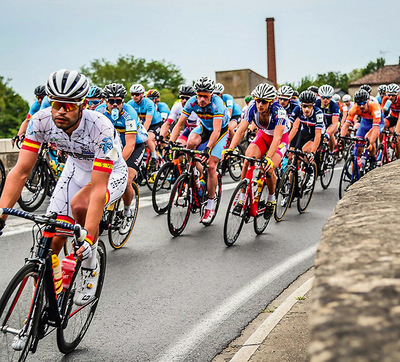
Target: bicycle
{"x": 232, "y": 163}
{"x": 385, "y": 152}
{"x": 187, "y": 197}
{"x": 325, "y": 162}
{"x": 298, "y": 181}
{"x": 253, "y": 205}
{"x": 30, "y": 309}
{"x": 355, "y": 167}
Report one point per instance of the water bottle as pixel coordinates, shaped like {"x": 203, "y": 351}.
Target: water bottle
{"x": 114, "y": 114}
{"x": 284, "y": 164}
{"x": 197, "y": 177}
{"x": 202, "y": 187}
{"x": 259, "y": 188}
{"x": 68, "y": 269}
{"x": 58, "y": 280}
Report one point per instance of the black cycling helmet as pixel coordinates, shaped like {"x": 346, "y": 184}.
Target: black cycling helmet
{"x": 361, "y": 96}
{"x": 313, "y": 88}
{"x": 40, "y": 90}
{"x": 95, "y": 92}
{"x": 295, "y": 94}
{"x": 186, "y": 90}
{"x": 114, "y": 90}
{"x": 367, "y": 88}
{"x": 307, "y": 96}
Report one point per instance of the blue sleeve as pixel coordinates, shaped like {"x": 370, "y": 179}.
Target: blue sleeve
{"x": 34, "y": 108}
{"x": 228, "y": 100}
{"x": 250, "y": 113}
{"x": 295, "y": 114}
{"x": 45, "y": 103}
{"x": 188, "y": 109}
{"x": 218, "y": 107}
{"x": 334, "y": 108}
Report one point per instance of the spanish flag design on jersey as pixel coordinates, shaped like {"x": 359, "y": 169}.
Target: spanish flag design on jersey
{"x": 30, "y": 145}
{"x": 102, "y": 165}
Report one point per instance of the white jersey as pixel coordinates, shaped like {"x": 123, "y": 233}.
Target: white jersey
{"x": 95, "y": 138}
{"x": 176, "y": 111}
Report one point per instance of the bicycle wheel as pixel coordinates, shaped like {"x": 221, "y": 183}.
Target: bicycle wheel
{"x": 163, "y": 183}
{"x": 179, "y": 205}
{"x": 284, "y": 193}
{"x": 327, "y": 169}
{"x": 217, "y": 198}
{"x": 120, "y": 227}
{"x": 307, "y": 187}
{"x": 152, "y": 174}
{"x": 235, "y": 164}
{"x": 2, "y": 177}
{"x": 234, "y": 219}
{"x": 19, "y": 315}
{"x": 36, "y": 188}
{"x": 346, "y": 177}
{"x": 260, "y": 223}
{"x": 76, "y": 319}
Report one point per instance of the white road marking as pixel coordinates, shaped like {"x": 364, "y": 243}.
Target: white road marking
{"x": 192, "y": 338}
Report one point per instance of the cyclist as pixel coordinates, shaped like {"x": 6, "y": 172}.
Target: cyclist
{"x": 235, "y": 111}
{"x": 271, "y": 140}
{"x": 391, "y": 105}
{"x": 381, "y": 93}
{"x": 40, "y": 93}
{"x": 310, "y": 120}
{"x": 146, "y": 111}
{"x": 94, "y": 97}
{"x": 336, "y": 97}
{"x": 331, "y": 113}
{"x": 295, "y": 96}
{"x": 368, "y": 88}
{"x": 247, "y": 100}
{"x": 314, "y": 89}
{"x": 94, "y": 175}
{"x": 162, "y": 108}
{"x": 132, "y": 133}
{"x": 213, "y": 128}
{"x": 371, "y": 123}
{"x": 285, "y": 94}
{"x": 185, "y": 93}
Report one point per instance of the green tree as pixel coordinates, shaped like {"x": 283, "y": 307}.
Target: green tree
{"x": 129, "y": 70}
{"x": 13, "y": 110}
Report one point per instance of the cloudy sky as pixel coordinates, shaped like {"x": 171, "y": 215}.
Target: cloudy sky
{"x": 200, "y": 37}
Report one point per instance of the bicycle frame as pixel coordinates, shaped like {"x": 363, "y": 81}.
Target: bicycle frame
{"x": 252, "y": 193}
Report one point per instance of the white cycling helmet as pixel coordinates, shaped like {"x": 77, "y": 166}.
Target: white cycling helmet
{"x": 326, "y": 90}
{"x": 285, "y": 92}
{"x": 392, "y": 88}
{"x": 336, "y": 98}
{"x": 264, "y": 91}
{"x": 67, "y": 84}
{"x": 219, "y": 88}
{"x": 204, "y": 84}
{"x": 346, "y": 98}
{"x": 382, "y": 89}
{"x": 137, "y": 88}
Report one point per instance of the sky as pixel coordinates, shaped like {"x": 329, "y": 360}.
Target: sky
{"x": 200, "y": 37}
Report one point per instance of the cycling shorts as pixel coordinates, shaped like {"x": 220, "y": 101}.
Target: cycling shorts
{"x": 155, "y": 128}
{"x": 392, "y": 121}
{"x": 185, "y": 134}
{"x": 304, "y": 137}
{"x": 366, "y": 125}
{"x": 136, "y": 156}
{"x": 74, "y": 178}
{"x": 293, "y": 142}
{"x": 220, "y": 145}
{"x": 263, "y": 142}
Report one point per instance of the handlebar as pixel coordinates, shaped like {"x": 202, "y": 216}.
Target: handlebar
{"x": 252, "y": 160}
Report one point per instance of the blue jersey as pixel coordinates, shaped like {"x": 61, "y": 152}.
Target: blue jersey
{"x": 34, "y": 108}
{"x": 231, "y": 104}
{"x": 291, "y": 106}
{"x": 332, "y": 110}
{"x": 144, "y": 108}
{"x": 277, "y": 117}
{"x": 45, "y": 103}
{"x": 127, "y": 123}
{"x": 215, "y": 109}
{"x": 309, "y": 124}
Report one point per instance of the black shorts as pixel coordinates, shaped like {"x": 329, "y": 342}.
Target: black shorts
{"x": 155, "y": 128}
{"x": 303, "y": 139}
{"x": 136, "y": 157}
{"x": 392, "y": 121}
{"x": 294, "y": 140}
{"x": 205, "y": 134}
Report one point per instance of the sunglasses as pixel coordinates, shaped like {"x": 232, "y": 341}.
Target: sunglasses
{"x": 325, "y": 97}
{"x": 392, "y": 95}
{"x": 94, "y": 102}
{"x": 310, "y": 106}
{"x": 263, "y": 101}
{"x": 204, "y": 95}
{"x": 68, "y": 106}
{"x": 184, "y": 98}
{"x": 283, "y": 99}
{"x": 115, "y": 101}
{"x": 361, "y": 103}
{"x": 136, "y": 94}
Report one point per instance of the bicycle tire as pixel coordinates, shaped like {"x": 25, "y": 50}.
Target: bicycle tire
{"x": 164, "y": 181}
{"x": 284, "y": 193}
{"x": 179, "y": 205}
{"x": 151, "y": 176}
{"x": 327, "y": 170}
{"x": 235, "y": 164}
{"x": 120, "y": 227}
{"x": 2, "y": 177}
{"x": 260, "y": 223}
{"x": 217, "y": 199}
{"x": 68, "y": 334}
{"x": 36, "y": 189}
{"x": 308, "y": 187}
{"x": 346, "y": 176}
{"x": 19, "y": 293}
{"x": 233, "y": 223}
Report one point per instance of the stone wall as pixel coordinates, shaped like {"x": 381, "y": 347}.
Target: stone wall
{"x": 355, "y": 313}
{"x": 8, "y": 154}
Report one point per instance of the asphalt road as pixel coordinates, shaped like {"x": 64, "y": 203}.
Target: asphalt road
{"x": 185, "y": 298}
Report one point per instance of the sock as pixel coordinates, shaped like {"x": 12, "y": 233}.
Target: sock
{"x": 126, "y": 210}
{"x": 154, "y": 154}
{"x": 210, "y": 204}
{"x": 241, "y": 197}
{"x": 91, "y": 262}
{"x": 271, "y": 197}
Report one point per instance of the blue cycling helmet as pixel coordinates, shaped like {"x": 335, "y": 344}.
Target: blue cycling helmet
{"x": 94, "y": 92}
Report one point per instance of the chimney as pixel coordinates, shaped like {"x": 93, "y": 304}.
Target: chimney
{"x": 271, "y": 50}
